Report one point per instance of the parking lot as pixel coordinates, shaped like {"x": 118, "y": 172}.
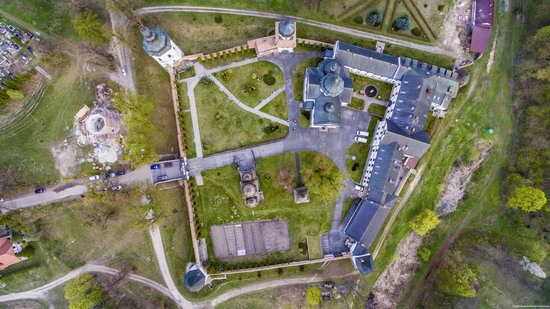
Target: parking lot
{"x": 167, "y": 171}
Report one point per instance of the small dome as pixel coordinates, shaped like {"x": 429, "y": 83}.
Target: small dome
{"x": 251, "y": 202}
{"x": 287, "y": 27}
{"x": 247, "y": 176}
{"x": 249, "y": 190}
{"x": 332, "y": 66}
{"x": 329, "y": 108}
{"x": 332, "y": 85}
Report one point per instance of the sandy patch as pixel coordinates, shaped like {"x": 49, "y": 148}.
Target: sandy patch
{"x": 454, "y": 35}
{"x": 393, "y": 282}
{"x": 65, "y": 156}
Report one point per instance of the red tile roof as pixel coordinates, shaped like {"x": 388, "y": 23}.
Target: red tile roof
{"x": 7, "y": 255}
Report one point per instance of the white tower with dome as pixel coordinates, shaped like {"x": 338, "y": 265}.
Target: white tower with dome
{"x": 158, "y": 45}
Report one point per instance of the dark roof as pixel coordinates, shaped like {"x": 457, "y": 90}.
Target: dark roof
{"x": 326, "y": 111}
{"x": 414, "y": 145}
{"x": 366, "y": 60}
{"x": 287, "y": 27}
{"x": 411, "y": 108}
{"x": 327, "y": 86}
{"x": 385, "y": 173}
{"x": 366, "y": 222}
{"x": 362, "y": 260}
{"x": 480, "y": 39}
{"x": 155, "y": 41}
{"x": 195, "y": 279}
{"x": 484, "y": 13}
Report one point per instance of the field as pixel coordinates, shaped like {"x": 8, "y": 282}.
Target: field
{"x": 153, "y": 82}
{"x": 206, "y": 35}
{"x": 219, "y": 118}
{"x": 26, "y": 159}
{"x": 237, "y": 78}
{"x": 277, "y": 107}
{"x": 109, "y": 230}
{"x": 221, "y": 201}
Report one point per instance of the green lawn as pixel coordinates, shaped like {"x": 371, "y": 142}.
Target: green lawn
{"x": 153, "y": 82}
{"x": 224, "y": 126}
{"x": 360, "y": 82}
{"x": 377, "y": 111}
{"x": 237, "y": 78}
{"x": 360, "y": 151}
{"x": 221, "y": 201}
{"x": 277, "y": 107}
{"x": 357, "y": 103}
{"x": 298, "y": 76}
{"x": 25, "y": 157}
{"x": 314, "y": 247}
{"x": 109, "y": 230}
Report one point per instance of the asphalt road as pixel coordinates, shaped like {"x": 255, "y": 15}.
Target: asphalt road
{"x": 52, "y": 195}
{"x": 358, "y": 33}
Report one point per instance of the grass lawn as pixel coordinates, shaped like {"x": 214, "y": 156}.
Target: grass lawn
{"x": 360, "y": 151}
{"x": 314, "y": 247}
{"x": 377, "y": 111}
{"x": 153, "y": 81}
{"x": 357, "y": 103}
{"x": 298, "y": 76}
{"x": 228, "y": 58}
{"x": 111, "y": 231}
{"x": 221, "y": 201}
{"x": 26, "y": 154}
{"x": 176, "y": 235}
{"x": 206, "y": 35}
{"x": 264, "y": 72}
{"x": 304, "y": 119}
{"x": 277, "y": 107}
{"x": 360, "y": 82}
{"x": 220, "y": 118}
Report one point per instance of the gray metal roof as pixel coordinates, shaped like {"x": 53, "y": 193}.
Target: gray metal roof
{"x": 155, "y": 41}
{"x": 385, "y": 173}
{"x": 366, "y": 60}
{"x": 366, "y": 222}
{"x": 414, "y": 145}
{"x": 326, "y": 111}
{"x": 332, "y": 85}
{"x": 287, "y": 27}
{"x": 411, "y": 107}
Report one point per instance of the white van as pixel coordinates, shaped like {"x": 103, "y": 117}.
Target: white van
{"x": 360, "y": 139}
{"x": 362, "y": 133}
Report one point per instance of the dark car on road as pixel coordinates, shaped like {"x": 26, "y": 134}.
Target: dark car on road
{"x": 121, "y": 172}
{"x": 162, "y": 178}
{"x": 155, "y": 166}
{"x": 110, "y": 175}
{"x": 39, "y": 190}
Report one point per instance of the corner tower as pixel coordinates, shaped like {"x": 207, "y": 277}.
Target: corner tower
{"x": 158, "y": 45}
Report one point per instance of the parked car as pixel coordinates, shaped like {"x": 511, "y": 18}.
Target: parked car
{"x": 110, "y": 175}
{"x": 168, "y": 164}
{"x": 39, "y": 190}
{"x": 155, "y": 166}
{"x": 359, "y": 188}
{"x": 162, "y": 178}
{"x": 123, "y": 70}
{"x": 360, "y": 139}
{"x": 362, "y": 133}
{"x": 116, "y": 188}
{"x": 94, "y": 177}
{"x": 120, "y": 172}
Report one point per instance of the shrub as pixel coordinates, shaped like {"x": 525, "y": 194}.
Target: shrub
{"x": 15, "y": 94}
{"x": 401, "y": 24}
{"x": 440, "y": 7}
{"x": 425, "y": 222}
{"x": 227, "y": 74}
{"x": 206, "y": 81}
{"x": 89, "y": 27}
{"x": 269, "y": 79}
{"x": 424, "y": 253}
{"x": 417, "y": 31}
{"x": 528, "y": 199}
{"x": 248, "y": 88}
{"x": 374, "y": 19}
{"x": 313, "y": 296}
{"x": 218, "y": 19}
{"x": 254, "y": 76}
{"x": 358, "y": 19}
{"x": 271, "y": 128}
